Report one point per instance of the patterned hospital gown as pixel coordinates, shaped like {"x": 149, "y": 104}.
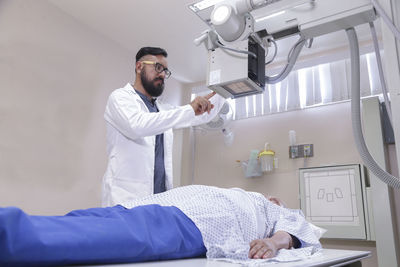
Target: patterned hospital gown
{"x": 229, "y": 219}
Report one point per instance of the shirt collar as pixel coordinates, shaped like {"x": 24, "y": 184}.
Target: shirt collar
{"x": 145, "y": 98}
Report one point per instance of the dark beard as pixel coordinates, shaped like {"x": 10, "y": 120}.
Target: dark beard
{"x": 150, "y": 87}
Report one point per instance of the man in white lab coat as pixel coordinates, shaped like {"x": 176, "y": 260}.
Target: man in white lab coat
{"x": 139, "y": 131}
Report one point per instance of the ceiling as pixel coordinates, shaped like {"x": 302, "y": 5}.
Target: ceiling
{"x": 172, "y": 25}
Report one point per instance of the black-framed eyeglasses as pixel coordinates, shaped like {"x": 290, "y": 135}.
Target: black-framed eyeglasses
{"x": 158, "y": 67}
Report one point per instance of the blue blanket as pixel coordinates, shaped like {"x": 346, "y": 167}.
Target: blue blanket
{"x": 98, "y": 235}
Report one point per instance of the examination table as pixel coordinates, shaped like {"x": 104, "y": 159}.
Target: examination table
{"x": 327, "y": 257}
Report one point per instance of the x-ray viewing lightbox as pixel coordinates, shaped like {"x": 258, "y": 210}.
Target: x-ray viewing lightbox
{"x": 336, "y": 198}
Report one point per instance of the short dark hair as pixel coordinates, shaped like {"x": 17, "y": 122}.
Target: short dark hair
{"x": 155, "y": 51}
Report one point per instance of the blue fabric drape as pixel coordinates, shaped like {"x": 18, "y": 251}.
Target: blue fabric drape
{"x": 98, "y": 235}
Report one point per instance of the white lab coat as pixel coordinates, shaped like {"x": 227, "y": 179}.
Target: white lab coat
{"x": 131, "y": 131}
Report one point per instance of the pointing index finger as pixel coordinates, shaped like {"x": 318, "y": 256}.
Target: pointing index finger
{"x": 210, "y": 95}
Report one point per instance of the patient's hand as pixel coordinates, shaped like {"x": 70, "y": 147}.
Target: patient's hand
{"x": 268, "y": 247}
{"x": 262, "y": 249}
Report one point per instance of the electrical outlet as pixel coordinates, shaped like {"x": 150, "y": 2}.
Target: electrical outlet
{"x": 301, "y": 151}
{"x": 308, "y": 150}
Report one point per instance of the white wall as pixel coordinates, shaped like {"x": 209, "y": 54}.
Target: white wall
{"x": 55, "y": 77}
{"x": 328, "y": 128}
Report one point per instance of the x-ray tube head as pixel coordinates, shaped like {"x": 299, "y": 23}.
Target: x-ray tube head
{"x": 233, "y": 75}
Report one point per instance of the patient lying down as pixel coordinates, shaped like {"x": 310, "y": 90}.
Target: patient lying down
{"x": 184, "y": 222}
